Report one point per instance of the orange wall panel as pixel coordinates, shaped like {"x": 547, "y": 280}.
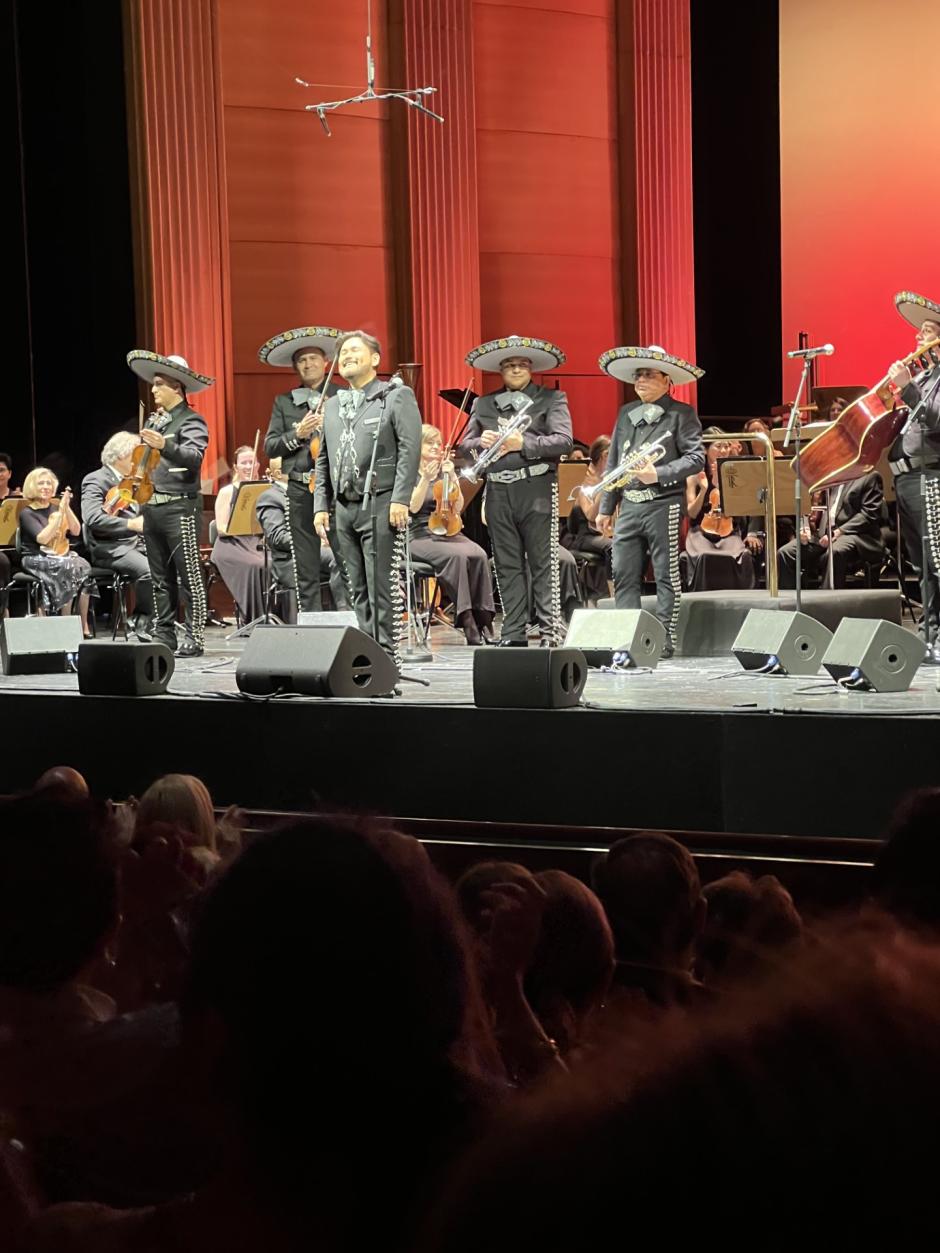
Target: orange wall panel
{"x": 860, "y": 180}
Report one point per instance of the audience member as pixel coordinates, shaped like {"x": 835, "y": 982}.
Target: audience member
{"x": 650, "y": 888}
{"x": 63, "y": 780}
{"x": 906, "y": 878}
{"x": 751, "y": 928}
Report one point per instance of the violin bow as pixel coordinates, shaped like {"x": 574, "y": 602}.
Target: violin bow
{"x": 254, "y": 453}
{"x": 453, "y": 432}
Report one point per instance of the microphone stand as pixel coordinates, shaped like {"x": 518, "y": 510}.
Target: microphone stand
{"x": 794, "y": 427}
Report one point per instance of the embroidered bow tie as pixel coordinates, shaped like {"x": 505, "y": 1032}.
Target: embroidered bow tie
{"x": 306, "y": 396}
{"x": 648, "y": 413}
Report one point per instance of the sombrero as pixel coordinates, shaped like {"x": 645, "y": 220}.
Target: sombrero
{"x": 623, "y": 363}
{"x": 281, "y": 349}
{"x": 916, "y": 309}
{"x": 542, "y": 354}
{"x": 146, "y": 364}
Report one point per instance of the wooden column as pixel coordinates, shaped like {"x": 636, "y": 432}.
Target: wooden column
{"x": 181, "y": 220}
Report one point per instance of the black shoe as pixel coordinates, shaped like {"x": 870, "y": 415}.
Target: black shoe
{"x": 545, "y": 642}
{"x": 189, "y": 648}
{"x": 668, "y": 650}
{"x": 512, "y": 644}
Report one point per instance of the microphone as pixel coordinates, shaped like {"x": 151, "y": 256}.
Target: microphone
{"x": 392, "y": 385}
{"x": 825, "y": 351}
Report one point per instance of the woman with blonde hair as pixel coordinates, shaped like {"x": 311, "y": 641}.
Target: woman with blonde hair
{"x": 182, "y": 801}
{"x": 239, "y": 559}
{"x": 61, "y": 578}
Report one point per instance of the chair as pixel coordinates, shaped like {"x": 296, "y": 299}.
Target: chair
{"x": 112, "y": 582}
{"x": 211, "y": 575}
{"x": 424, "y": 596}
{"x": 585, "y": 561}
{"x": 24, "y": 581}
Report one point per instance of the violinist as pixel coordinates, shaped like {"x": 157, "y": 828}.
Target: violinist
{"x": 117, "y": 539}
{"x": 857, "y": 509}
{"x": 719, "y": 549}
{"x": 239, "y": 559}
{"x": 461, "y": 566}
{"x": 293, "y": 435}
{"x": 915, "y": 455}
{"x": 45, "y": 532}
{"x": 173, "y": 513}
{"x": 581, "y": 535}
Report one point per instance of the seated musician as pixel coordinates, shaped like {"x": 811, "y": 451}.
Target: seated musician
{"x": 239, "y": 559}
{"x": 719, "y": 549}
{"x": 461, "y": 566}
{"x": 760, "y": 426}
{"x": 857, "y": 509}
{"x": 6, "y": 472}
{"x": 61, "y": 578}
{"x": 116, "y": 541}
{"x": 273, "y": 510}
{"x": 582, "y": 536}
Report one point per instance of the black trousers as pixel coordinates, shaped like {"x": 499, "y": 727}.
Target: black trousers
{"x": 305, "y": 544}
{"x": 360, "y": 561}
{"x": 522, "y": 519}
{"x": 134, "y": 565}
{"x": 172, "y": 539}
{"x": 847, "y": 551}
{"x": 641, "y": 526}
{"x": 919, "y": 517}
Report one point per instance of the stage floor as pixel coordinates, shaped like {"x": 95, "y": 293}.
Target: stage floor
{"x": 696, "y": 744}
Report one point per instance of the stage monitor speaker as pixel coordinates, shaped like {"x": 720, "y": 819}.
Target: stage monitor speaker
{"x": 39, "y": 645}
{"x": 536, "y": 678}
{"x": 775, "y": 641}
{"x": 872, "y": 655}
{"x": 314, "y": 661}
{"x": 632, "y": 637}
{"x": 124, "y": 669}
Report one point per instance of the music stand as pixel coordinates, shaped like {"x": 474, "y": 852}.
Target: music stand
{"x": 10, "y": 520}
{"x": 743, "y": 492}
{"x": 243, "y": 520}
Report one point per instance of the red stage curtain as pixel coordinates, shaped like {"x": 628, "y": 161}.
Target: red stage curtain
{"x": 181, "y": 220}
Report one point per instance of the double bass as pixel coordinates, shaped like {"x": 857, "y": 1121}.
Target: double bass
{"x": 862, "y": 432}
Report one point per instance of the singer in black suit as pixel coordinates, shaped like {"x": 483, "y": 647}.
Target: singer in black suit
{"x": 116, "y": 541}
{"x": 292, "y": 435}
{"x": 857, "y": 509}
{"x": 371, "y": 424}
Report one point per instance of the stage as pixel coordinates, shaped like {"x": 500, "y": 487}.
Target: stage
{"x": 697, "y": 744}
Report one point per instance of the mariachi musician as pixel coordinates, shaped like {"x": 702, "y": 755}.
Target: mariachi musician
{"x": 915, "y": 456}
{"x": 522, "y": 479}
{"x": 171, "y": 517}
{"x": 294, "y": 435}
{"x": 652, "y": 499}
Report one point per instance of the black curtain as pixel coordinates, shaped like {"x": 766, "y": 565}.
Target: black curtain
{"x": 736, "y": 203}
{"x": 69, "y": 255}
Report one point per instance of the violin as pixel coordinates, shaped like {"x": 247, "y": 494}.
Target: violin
{"x": 135, "y": 488}
{"x": 315, "y": 437}
{"x": 716, "y": 522}
{"x": 446, "y": 519}
{"x": 58, "y": 546}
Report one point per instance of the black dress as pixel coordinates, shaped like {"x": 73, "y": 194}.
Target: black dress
{"x": 61, "y": 578}
{"x": 462, "y": 566}
{"x": 239, "y": 559}
{"x": 717, "y": 564}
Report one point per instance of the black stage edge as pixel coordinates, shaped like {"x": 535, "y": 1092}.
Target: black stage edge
{"x": 760, "y": 771}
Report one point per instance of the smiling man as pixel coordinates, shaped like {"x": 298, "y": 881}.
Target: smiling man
{"x": 378, "y": 423}
{"x": 651, "y": 501}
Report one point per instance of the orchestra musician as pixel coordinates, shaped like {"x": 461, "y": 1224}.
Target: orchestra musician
{"x": 116, "y": 540}
{"x": 720, "y": 549}
{"x": 172, "y": 515}
{"x": 293, "y": 435}
{"x": 857, "y": 509}
{"x": 915, "y": 457}
{"x": 239, "y": 559}
{"x": 651, "y": 501}
{"x": 64, "y": 575}
{"x": 461, "y": 566}
{"x": 521, "y": 496}
{"x": 369, "y": 424}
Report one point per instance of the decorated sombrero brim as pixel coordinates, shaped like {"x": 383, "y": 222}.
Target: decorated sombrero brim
{"x": 916, "y": 309}
{"x": 491, "y": 355}
{"x": 623, "y": 363}
{"x": 146, "y": 364}
{"x": 281, "y": 349}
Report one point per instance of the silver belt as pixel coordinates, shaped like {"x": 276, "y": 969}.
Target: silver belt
{"x": 904, "y": 465}
{"x": 639, "y": 495}
{"x": 524, "y": 472}
{"x": 164, "y": 498}
{"x": 300, "y": 476}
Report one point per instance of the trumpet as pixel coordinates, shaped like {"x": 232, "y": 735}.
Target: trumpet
{"x": 620, "y": 475}
{"x": 520, "y": 422}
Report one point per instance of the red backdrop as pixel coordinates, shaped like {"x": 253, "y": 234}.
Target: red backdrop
{"x": 860, "y": 179}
